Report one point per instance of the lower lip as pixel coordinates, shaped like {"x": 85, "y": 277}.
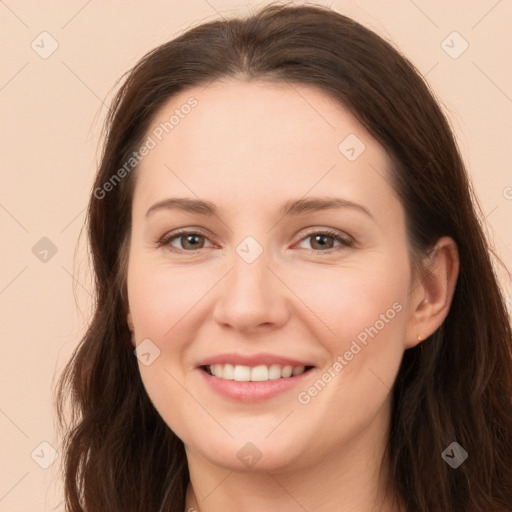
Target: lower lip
{"x": 249, "y": 391}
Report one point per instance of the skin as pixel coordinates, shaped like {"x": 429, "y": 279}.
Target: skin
{"x": 248, "y": 147}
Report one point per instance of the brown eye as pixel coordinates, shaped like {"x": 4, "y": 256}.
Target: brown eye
{"x": 322, "y": 242}
{"x": 192, "y": 241}
{"x": 187, "y": 241}
{"x": 325, "y": 240}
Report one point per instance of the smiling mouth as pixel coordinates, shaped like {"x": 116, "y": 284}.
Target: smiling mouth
{"x": 260, "y": 373}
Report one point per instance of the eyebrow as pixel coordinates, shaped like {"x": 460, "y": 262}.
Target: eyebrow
{"x": 293, "y": 207}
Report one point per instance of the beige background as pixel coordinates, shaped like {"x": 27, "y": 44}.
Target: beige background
{"x": 52, "y": 110}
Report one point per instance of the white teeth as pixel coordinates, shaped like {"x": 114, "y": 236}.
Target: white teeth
{"x": 242, "y": 373}
{"x": 217, "y": 370}
{"x": 228, "y": 372}
{"x": 298, "y": 370}
{"x": 287, "y": 371}
{"x": 274, "y": 372}
{"x": 259, "y": 373}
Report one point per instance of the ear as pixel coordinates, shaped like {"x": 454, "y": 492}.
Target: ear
{"x": 433, "y": 293}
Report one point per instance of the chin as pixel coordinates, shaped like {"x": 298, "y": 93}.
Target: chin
{"x": 254, "y": 453}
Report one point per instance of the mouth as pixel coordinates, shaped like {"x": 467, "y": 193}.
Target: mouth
{"x": 243, "y": 378}
{"x": 259, "y": 373}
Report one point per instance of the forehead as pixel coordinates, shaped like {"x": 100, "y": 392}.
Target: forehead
{"x": 257, "y": 114}
{"x": 238, "y": 139}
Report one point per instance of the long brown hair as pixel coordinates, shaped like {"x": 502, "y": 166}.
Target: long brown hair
{"x": 119, "y": 453}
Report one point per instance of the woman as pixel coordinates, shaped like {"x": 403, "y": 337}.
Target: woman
{"x": 283, "y": 234}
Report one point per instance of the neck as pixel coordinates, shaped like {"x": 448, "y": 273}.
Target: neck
{"x": 347, "y": 478}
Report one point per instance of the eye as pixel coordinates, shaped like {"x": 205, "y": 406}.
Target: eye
{"x": 320, "y": 240}
{"x": 191, "y": 241}
{"x": 188, "y": 240}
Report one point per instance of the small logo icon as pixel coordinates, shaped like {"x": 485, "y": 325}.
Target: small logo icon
{"x": 44, "y": 455}
{"x": 454, "y": 455}
{"x": 351, "y": 147}
{"x": 146, "y": 352}
{"x": 249, "y": 455}
{"x": 454, "y": 45}
{"x": 44, "y": 250}
{"x": 249, "y": 249}
{"x": 44, "y": 45}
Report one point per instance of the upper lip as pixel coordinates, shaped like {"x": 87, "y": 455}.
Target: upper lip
{"x": 252, "y": 360}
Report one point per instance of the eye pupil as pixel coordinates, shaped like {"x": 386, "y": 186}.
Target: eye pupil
{"x": 191, "y": 237}
{"x": 323, "y": 244}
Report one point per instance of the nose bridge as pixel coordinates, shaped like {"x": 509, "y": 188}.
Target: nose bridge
{"x": 250, "y": 282}
{"x": 251, "y": 294}
{"x": 250, "y": 265}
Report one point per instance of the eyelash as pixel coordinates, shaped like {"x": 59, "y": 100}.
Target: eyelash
{"x": 344, "y": 242}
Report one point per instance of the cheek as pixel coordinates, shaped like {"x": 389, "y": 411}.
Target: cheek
{"x": 354, "y": 300}
{"x": 161, "y": 297}
{"x": 160, "y": 300}
{"x": 366, "y": 309}
{"x": 166, "y": 304}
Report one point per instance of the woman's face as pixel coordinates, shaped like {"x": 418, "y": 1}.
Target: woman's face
{"x": 271, "y": 278}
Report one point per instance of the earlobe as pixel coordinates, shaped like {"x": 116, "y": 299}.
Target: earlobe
{"x": 434, "y": 296}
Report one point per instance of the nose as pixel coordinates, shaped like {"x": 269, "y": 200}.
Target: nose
{"x": 252, "y": 297}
